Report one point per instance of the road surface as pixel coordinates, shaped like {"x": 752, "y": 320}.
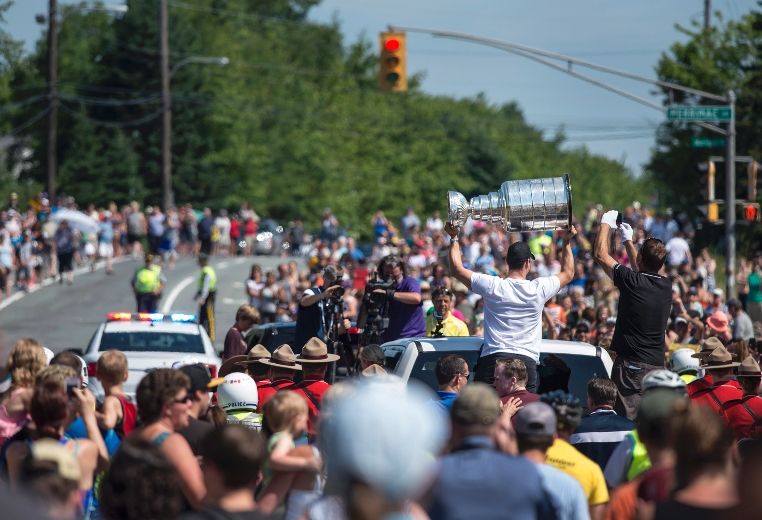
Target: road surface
{"x": 64, "y": 317}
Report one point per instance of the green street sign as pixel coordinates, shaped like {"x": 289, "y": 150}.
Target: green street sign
{"x": 707, "y": 142}
{"x": 699, "y": 113}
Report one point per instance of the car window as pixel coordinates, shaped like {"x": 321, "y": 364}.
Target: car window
{"x": 152, "y": 342}
{"x": 425, "y": 366}
{"x": 272, "y": 337}
{"x": 568, "y": 372}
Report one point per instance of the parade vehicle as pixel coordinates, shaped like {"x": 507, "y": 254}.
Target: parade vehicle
{"x": 565, "y": 365}
{"x": 150, "y": 341}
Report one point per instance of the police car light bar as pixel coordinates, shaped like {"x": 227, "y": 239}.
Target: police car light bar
{"x": 176, "y": 317}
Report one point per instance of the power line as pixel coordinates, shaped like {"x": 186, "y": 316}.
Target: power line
{"x": 112, "y": 124}
{"x": 29, "y": 122}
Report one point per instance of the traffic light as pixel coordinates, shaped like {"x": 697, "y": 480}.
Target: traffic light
{"x": 711, "y": 171}
{"x": 712, "y": 212}
{"x": 392, "y": 76}
{"x": 751, "y": 175}
{"x": 751, "y": 212}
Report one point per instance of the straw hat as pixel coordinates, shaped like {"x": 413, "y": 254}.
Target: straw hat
{"x": 230, "y": 365}
{"x": 255, "y": 354}
{"x": 719, "y": 358}
{"x": 315, "y": 351}
{"x": 282, "y": 357}
{"x": 707, "y": 347}
{"x": 749, "y": 368}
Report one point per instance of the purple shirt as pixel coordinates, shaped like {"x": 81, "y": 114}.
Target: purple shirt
{"x": 405, "y": 320}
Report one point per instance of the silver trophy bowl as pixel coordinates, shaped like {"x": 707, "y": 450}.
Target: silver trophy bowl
{"x": 522, "y": 205}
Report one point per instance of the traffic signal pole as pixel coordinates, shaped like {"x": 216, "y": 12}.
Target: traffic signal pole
{"x": 730, "y": 200}
{"x": 567, "y": 62}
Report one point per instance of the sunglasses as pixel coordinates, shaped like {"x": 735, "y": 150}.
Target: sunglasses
{"x": 183, "y": 400}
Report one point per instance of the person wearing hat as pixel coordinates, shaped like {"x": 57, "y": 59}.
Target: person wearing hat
{"x": 253, "y": 368}
{"x": 744, "y": 415}
{"x": 645, "y": 304}
{"x": 51, "y": 473}
{"x": 705, "y": 382}
{"x": 147, "y": 285}
{"x": 206, "y": 293}
{"x": 238, "y": 397}
{"x": 565, "y": 457}
{"x": 742, "y": 327}
{"x": 535, "y": 426}
{"x": 513, "y": 306}
{"x": 201, "y": 384}
{"x": 718, "y": 325}
{"x": 282, "y": 368}
{"x": 719, "y": 365}
{"x": 470, "y": 482}
{"x": 314, "y": 359}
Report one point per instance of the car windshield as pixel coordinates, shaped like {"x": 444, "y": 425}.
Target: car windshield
{"x": 152, "y": 342}
{"x": 271, "y": 337}
{"x": 568, "y": 372}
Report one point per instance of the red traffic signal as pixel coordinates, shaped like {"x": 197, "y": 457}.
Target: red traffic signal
{"x": 392, "y": 45}
{"x": 392, "y": 75}
{"x": 751, "y": 212}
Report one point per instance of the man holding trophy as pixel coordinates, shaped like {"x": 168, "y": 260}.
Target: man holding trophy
{"x": 513, "y": 305}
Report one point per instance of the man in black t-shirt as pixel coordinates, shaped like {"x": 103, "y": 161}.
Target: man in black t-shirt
{"x": 201, "y": 383}
{"x": 645, "y": 302}
{"x": 311, "y": 319}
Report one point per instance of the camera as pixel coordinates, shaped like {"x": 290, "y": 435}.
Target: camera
{"x": 373, "y": 317}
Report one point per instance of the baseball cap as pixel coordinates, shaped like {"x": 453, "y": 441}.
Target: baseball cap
{"x": 536, "y": 418}
{"x": 200, "y": 378}
{"x": 477, "y": 404}
{"x": 518, "y": 252}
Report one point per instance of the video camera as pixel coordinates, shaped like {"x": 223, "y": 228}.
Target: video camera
{"x": 373, "y": 317}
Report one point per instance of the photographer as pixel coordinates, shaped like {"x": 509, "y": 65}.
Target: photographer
{"x": 405, "y": 311}
{"x": 311, "y": 315}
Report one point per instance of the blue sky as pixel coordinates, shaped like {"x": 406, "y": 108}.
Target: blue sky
{"x": 625, "y": 35}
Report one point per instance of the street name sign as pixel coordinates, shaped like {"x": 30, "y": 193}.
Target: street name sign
{"x": 707, "y": 142}
{"x": 699, "y": 113}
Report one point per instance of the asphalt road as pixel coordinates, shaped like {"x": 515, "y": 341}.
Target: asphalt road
{"x": 64, "y": 317}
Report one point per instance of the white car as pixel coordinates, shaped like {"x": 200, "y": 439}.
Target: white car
{"x": 150, "y": 341}
{"x": 565, "y": 365}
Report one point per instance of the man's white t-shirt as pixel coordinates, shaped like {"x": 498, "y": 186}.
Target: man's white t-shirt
{"x": 677, "y": 251}
{"x": 513, "y": 312}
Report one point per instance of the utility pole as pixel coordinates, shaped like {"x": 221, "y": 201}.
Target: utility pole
{"x": 167, "y": 197}
{"x": 730, "y": 200}
{"x": 52, "y": 99}
{"x": 707, "y": 14}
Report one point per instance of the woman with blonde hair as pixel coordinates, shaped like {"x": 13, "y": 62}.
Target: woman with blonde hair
{"x": 26, "y": 360}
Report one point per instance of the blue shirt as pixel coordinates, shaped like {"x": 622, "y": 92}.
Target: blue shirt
{"x": 478, "y": 482}
{"x": 446, "y": 399}
{"x": 599, "y": 433}
{"x": 565, "y": 493}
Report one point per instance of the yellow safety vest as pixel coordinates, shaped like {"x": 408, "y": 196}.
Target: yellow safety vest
{"x": 640, "y": 460}
{"x": 146, "y": 280}
{"x": 207, "y": 271}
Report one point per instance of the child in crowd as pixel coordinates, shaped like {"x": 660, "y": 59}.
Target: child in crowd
{"x": 26, "y": 360}
{"x": 118, "y": 412}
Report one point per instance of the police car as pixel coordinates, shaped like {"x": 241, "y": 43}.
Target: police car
{"x": 150, "y": 341}
{"x": 564, "y": 365}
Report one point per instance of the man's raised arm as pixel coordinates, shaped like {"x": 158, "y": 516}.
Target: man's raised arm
{"x": 567, "y": 258}
{"x": 601, "y": 248}
{"x": 456, "y": 262}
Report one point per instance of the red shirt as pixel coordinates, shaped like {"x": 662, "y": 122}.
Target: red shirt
{"x": 312, "y": 391}
{"x": 741, "y": 414}
{"x": 719, "y": 394}
{"x": 700, "y": 384}
{"x": 270, "y": 388}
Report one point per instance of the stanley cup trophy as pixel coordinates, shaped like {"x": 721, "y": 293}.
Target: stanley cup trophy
{"x": 523, "y": 205}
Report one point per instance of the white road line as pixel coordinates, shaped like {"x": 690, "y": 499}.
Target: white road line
{"x": 170, "y": 301}
{"x": 50, "y": 281}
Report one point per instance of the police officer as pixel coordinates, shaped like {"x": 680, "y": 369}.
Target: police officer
{"x": 147, "y": 284}
{"x": 239, "y": 399}
{"x": 205, "y": 295}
